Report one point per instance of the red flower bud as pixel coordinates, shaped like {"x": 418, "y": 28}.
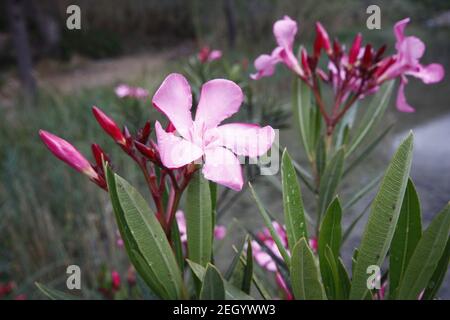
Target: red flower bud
{"x": 109, "y": 126}
{"x": 354, "y": 50}
{"x": 367, "y": 57}
{"x": 304, "y": 59}
{"x": 146, "y": 150}
{"x": 64, "y": 151}
{"x": 322, "y": 41}
{"x": 115, "y": 280}
{"x": 99, "y": 155}
{"x": 144, "y": 133}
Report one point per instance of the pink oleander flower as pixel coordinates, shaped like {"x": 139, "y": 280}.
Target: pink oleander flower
{"x": 207, "y": 55}
{"x": 115, "y": 280}
{"x": 406, "y": 63}
{"x": 203, "y": 138}
{"x": 284, "y": 31}
{"x": 66, "y": 152}
{"x": 219, "y": 230}
{"x": 126, "y": 91}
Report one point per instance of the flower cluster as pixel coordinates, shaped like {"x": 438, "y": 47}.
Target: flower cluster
{"x": 207, "y": 55}
{"x": 126, "y": 91}
{"x": 353, "y": 74}
{"x": 181, "y": 146}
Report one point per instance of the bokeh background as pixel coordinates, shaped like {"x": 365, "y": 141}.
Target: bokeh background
{"x": 51, "y": 217}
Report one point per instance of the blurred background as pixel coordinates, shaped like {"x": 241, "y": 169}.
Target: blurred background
{"x": 50, "y": 77}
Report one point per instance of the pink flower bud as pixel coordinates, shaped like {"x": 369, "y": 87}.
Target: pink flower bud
{"x": 354, "y": 50}
{"x": 115, "y": 280}
{"x": 322, "y": 41}
{"x": 64, "y": 151}
{"x": 305, "y": 63}
{"x": 99, "y": 155}
{"x": 313, "y": 244}
{"x": 220, "y": 232}
{"x": 109, "y": 126}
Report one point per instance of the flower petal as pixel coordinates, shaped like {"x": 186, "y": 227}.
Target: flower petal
{"x": 219, "y": 100}
{"x": 431, "y": 73}
{"x": 399, "y": 29}
{"x": 174, "y": 99}
{"x": 265, "y": 66}
{"x": 246, "y": 139}
{"x": 223, "y": 167}
{"x": 285, "y": 31}
{"x": 402, "y": 104}
{"x": 175, "y": 151}
{"x": 411, "y": 50}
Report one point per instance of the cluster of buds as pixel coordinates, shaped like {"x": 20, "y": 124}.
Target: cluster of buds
{"x": 142, "y": 149}
{"x": 353, "y": 74}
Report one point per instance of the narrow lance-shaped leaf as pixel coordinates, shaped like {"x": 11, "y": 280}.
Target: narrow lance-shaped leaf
{"x": 305, "y": 276}
{"x": 213, "y": 285}
{"x": 292, "y": 202}
{"x": 199, "y": 220}
{"x": 425, "y": 257}
{"x": 301, "y": 105}
{"x": 406, "y": 237}
{"x": 330, "y": 180}
{"x": 269, "y": 226}
{"x": 148, "y": 245}
{"x": 438, "y": 275}
{"x": 383, "y": 218}
{"x": 330, "y": 236}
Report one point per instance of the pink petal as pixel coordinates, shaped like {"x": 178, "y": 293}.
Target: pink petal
{"x": 411, "y": 50}
{"x": 181, "y": 221}
{"x": 220, "y": 232}
{"x": 431, "y": 73}
{"x": 219, "y": 100}
{"x": 402, "y": 104}
{"x": 214, "y": 55}
{"x": 285, "y": 31}
{"x": 175, "y": 151}
{"x": 246, "y": 139}
{"x": 222, "y": 167}
{"x": 399, "y": 29}
{"x": 265, "y": 66}
{"x": 174, "y": 99}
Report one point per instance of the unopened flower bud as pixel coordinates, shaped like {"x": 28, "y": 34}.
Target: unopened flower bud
{"x": 322, "y": 41}
{"x": 354, "y": 50}
{"x": 109, "y": 126}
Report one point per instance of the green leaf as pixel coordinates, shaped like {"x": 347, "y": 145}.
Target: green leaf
{"x": 248, "y": 271}
{"x": 406, "y": 237}
{"x": 213, "y": 285}
{"x": 292, "y": 202}
{"x": 439, "y": 274}
{"x": 268, "y": 223}
{"x": 343, "y": 278}
{"x": 177, "y": 245}
{"x": 321, "y": 157}
{"x": 330, "y": 230}
{"x": 231, "y": 292}
{"x": 54, "y": 294}
{"x": 305, "y": 276}
{"x": 374, "y": 113}
{"x": 330, "y": 236}
{"x": 354, "y": 223}
{"x": 301, "y": 106}
{"x": 425, "y": 257}
{"x": 330, "y": 181}
{"x": 383, "y": 218}
{"x": 199, "y": 220}
{"x": 144, "y": 239}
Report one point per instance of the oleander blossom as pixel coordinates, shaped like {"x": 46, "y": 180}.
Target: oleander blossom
{"x": 203, "y": 138}
{"x": 207, "y": 55}
{"x": 265, "y": 260}
{"x": 126, "y": 91}
{"x": 220, "y": 231}
{"x": 406, "y": 63}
